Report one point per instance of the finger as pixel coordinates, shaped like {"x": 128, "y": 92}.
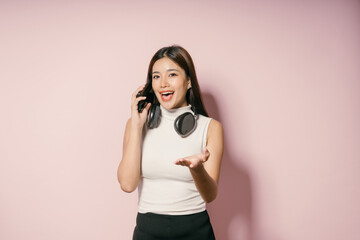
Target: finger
{"x": 178, "y": 162}
{"x": 206, "y": 155}
{"x": 137, "y": 91}
{"x": 206, "y": 150}
{"x": 148, "y": 107}
{"x": 136, "y": 101}
{"x": 181, "y": 162}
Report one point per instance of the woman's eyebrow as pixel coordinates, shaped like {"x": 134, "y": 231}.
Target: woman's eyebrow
{"x": 168, "y": 70}
{"x": 172, "y": 69}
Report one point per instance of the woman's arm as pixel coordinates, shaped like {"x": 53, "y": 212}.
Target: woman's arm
{"x": 205, "y": 167}
{"x": 129, "y": 168}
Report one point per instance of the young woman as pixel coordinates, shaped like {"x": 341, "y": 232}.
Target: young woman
{"x": 172, "y": 151}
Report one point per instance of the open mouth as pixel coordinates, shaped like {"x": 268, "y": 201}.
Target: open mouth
{"x": 166, "y": 95}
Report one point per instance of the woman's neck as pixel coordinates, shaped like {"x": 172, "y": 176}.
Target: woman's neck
{"x": 172, "y": 114}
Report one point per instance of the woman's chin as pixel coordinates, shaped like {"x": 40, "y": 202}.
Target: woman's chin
{"x": 167, "y": 105}
{"x": 172, "y": 105}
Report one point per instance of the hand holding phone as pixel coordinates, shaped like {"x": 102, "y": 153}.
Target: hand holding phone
{"x": 142, "y": 104}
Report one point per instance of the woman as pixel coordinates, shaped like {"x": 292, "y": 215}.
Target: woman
{"x": 172, "y": 151}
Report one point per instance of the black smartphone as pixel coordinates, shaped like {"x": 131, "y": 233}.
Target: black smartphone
{"x": 149, "y": 98}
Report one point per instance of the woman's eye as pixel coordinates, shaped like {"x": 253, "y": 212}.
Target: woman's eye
{"x": 172, "y": 74}
{"x": 155, "y": 76}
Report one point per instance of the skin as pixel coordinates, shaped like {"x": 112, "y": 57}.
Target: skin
{"x": 204, "y": 167}
{"x": 168, "y": 76}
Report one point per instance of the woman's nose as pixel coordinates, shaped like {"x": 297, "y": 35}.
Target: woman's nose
{"x": 164, "y": 82}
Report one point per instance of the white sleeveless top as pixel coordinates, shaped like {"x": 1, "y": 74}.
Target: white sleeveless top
{"x": 166, "y": 188}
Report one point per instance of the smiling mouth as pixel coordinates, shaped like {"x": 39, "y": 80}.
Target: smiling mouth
{"x": 166, "y": 95}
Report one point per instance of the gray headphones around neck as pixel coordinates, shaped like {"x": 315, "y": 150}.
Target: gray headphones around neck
{"x": 184, "y": 124}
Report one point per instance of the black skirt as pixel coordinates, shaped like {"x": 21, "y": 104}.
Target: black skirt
{"x": 150, "y": 226}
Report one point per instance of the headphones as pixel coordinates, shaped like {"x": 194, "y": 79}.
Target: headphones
{"x": 184, "y": 124}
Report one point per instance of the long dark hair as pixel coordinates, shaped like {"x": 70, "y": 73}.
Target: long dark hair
{"x": 182, "y": 58}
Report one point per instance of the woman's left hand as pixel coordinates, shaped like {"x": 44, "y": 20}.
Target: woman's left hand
{"x": 194, "y": 161}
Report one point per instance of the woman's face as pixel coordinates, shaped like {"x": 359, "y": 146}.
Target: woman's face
{"x": 170, "y": 83}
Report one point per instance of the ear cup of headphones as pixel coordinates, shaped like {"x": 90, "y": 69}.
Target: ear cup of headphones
{"x": 185, "y": 124}
{"x": 154, "y": 117}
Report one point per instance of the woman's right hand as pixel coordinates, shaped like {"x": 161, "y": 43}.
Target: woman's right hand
{"x": 138, "y": 119}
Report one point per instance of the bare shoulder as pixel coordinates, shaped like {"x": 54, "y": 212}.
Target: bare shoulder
{"x": 215, "y": 129}
{"x": 215, "y": 145}
{"x": 215, "y": 136}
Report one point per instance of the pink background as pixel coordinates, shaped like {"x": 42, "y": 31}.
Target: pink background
{"x": 282, "y": 76}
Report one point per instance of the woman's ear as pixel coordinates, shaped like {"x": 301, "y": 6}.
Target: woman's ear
{"x": 189, "y": 84}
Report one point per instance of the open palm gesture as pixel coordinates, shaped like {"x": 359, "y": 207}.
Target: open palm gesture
{"x": 194, "y": 161}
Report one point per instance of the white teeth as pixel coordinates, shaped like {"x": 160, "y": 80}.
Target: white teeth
{"x": 163, "y": 93}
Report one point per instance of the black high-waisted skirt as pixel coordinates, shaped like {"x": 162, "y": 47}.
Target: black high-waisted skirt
{"x": 150, "y": 226}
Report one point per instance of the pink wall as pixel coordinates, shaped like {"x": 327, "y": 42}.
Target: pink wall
{"x": 282, "y": 76}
